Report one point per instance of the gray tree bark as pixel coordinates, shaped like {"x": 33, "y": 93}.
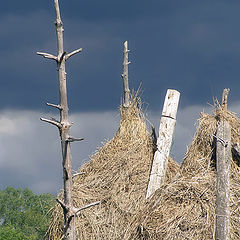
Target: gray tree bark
{"x": 64, "y": 129}
{"x": 223, "y": 160}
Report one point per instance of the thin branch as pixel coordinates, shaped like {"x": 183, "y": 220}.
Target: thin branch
{"x": 78, "y": 210}
{"x": 47, "y": 55}
{"x": 72, "y": 139}
{"x": 64, "y": 206}
{"x": 53, "y": 121}
{"x": 72, "y": 53}
{"x": 54, "y": 105}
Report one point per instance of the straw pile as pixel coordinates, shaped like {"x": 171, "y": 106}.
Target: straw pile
{"x": 117, "y": 175}
{"x": 185, "y": 208}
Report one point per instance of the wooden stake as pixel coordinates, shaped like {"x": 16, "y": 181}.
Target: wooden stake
{"x": 164, "y": 141}
{"x": 225, "y": 98}
{"x": 223, "y": 160}
{"x": 126, "y": 98}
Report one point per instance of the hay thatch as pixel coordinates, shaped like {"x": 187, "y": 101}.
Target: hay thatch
{"x": 117, "y": 175}
{"x": 185, "y": 208}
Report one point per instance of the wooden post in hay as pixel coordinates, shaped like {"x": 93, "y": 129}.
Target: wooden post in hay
{"x": 223, "y": 161}
{"x": 126, "y": 96}
{"x": 225, "y": 98}
{"x": 64, "y": 129}
{"x": 164, "y": 141}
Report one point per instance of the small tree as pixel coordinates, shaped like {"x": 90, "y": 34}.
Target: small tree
{"x": 64, "y": 126}
{"x": 23, "y": 214}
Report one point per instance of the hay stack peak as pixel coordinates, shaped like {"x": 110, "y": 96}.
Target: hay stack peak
{"x": 185, "y": 208}
{"x": 117, "y": 175}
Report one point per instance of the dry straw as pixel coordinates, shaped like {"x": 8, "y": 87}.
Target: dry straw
{"x": 117, "y": 175}
{"x": 185, "y": 208}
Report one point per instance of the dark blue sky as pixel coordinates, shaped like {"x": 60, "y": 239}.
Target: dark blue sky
{"x": 191, "y": 46}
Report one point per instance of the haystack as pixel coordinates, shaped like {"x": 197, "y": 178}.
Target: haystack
{"x": 117, "y": 175}
{"x": 185, "y": 208}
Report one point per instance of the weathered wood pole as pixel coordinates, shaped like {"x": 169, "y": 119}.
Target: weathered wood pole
{"x": 164, "y": 141}
{"x": 225, "y": 98}
{"x": 126, "y": 97}
{"x": 64, "y": 129}
{"x": 223, "y": 161}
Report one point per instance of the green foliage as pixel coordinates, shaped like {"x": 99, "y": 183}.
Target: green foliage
{"x": 23, "y": 214}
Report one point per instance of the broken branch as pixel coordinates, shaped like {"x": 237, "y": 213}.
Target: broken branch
{"x": 78, "y": 210}
{"x": 72, "y": 139}
{"x": 76, "y": 174}
{"x": 47, "y": 55}
{"x": 53, "y": 121}
{"x": 65, "y": 208}
{"x": 72, "y": 53}
{"x": 54, "y": 105}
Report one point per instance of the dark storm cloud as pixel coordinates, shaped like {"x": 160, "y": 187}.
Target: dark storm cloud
{"x": 187, "y": 45}
{"x": 191, "y": 46}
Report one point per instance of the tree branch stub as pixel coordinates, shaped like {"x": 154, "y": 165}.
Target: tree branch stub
{"x": 52, "y": 121}
{"x": 47, "y": 55}
{"x": 73, "y": 139}
{"x": 54, "y": 105}
{"x": 72, "y": 53}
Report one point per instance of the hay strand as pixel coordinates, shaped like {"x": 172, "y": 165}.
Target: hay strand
{"x": 185, "y": 208}
{"x": 117, "y": 175}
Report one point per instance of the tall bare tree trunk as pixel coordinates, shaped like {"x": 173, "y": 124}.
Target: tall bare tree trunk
{"x": 64, "y": 129}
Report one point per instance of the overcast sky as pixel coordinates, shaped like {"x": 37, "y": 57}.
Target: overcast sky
{"x": 191, "y": 46}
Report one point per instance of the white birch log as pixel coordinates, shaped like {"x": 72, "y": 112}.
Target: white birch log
{"x": 164, "y": 141}
{"x": 223, "y": 160}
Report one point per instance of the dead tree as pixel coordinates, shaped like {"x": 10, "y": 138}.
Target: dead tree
{"x": 164, "y": 141}
{"x": 126, "y": 97}
{"x": 64, "y": 129}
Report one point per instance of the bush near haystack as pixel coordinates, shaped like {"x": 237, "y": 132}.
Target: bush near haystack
{"x": 23, "y": 214}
